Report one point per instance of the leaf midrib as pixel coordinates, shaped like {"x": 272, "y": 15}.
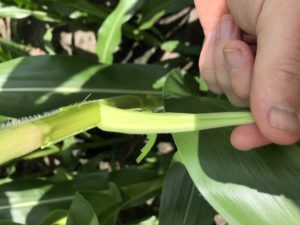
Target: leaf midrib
{"x": 81, "y": 90}
{"x": 188, "y": 206}
{"x": 34, "y": 203}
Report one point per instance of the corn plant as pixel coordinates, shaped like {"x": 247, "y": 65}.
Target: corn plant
{"x": 71, "y": 127}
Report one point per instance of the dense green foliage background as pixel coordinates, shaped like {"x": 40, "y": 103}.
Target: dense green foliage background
{"x": 93, "y": 178}
{"x": 62, "y": 52}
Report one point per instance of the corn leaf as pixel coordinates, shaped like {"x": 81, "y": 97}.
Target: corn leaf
{"x": 153, "y": 10}
{"x": 147, "y": 147}
{"x": 13, "y": 48}
{"x": 19, "y": 13}
{"x": 180, "y": 202}
{"x": 33, "y": 201}
{"x": 177, "y": 46}
{"x": 252, "y": 188}
{"x": 55, "y": 217}
{"x": 9, "y": 223}
{"x": 110, "y": 33}
{"x": 66, "y": 8}
{"x": 30, "y": 200}
{"x": 48, "y": 82}
{"x": 137, "y": 186}
{"x": 81, "y": 212}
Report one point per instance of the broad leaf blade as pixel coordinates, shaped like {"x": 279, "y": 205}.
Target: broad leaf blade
{"x": 49, "y": 82}
{"x": 9, "y": 223}
{"x": 81, "y": 212}
{"x": 14, "y": 49}
{"x": 19, "y": 13}
{"x": 30, "y": 200}
{"x": 257, "y": 187}
{"x": 100, "y": 201}
{"x": 136, "y": 186}
{"x": 109, "y": 34}
{"x": 181, "y": 203}
{"x": 56, "y": 217}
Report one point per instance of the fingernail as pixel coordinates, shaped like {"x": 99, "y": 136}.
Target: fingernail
{"x": 286, "y": 118}
{"x": 234, "y": 58}
{"x": 226, "y": 29}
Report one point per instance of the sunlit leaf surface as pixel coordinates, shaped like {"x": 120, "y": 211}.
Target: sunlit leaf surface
{"x": 81, "y": 212}
{"x": 110, "y": 33}
{"x": 34, "y": 85}
{"x": 181, "y": 203}
{"x": 257, "y": 187}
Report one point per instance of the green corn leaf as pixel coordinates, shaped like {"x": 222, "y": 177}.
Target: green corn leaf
{"x": 55, "y": 217}
{"x": 153, "y": 10}
{"x": 48, "y": 36}
{"x": 137, "y": 186}
{"x": 69, "y": 9}
{"x": 250, "y": 188}
{"x": 30, "y": 200}
{"x": 9, "y": 223}
{"x": 177, "y": 46}
{"x": 49, "y": 82}
{"x": 241, "y": 192}
{"x": 179, "y": 85}
{"x": 81, "y": 212}
{"x": 109, "y": 34}
{"x": 19, "y": 13}
{"x": 15, "y": 49}
{"x": 147, "y": 148}
{"x": 14, "y": 12}
{"x": 33, "y": 201}
{"x": 180, "y": 202}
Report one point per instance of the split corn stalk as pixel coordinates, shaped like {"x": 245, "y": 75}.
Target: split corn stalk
{"x": 126, "y": 114}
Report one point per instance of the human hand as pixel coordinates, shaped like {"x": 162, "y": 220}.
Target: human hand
{"x": 252, "y": 54}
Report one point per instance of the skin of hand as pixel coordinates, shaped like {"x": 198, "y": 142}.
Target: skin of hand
{"x": 252, "y": 54}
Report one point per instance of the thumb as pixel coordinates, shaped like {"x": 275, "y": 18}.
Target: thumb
{"x": 275, "y": 89}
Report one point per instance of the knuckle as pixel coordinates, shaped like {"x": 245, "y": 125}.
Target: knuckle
{"x": 288, "y": 75}
{"x": 288, "y": 69}
{"x": 284, "y": 80}
{"x": 238, "y": 102}
{"x": 242, "y": 94}
{"x": 224, "y": 82}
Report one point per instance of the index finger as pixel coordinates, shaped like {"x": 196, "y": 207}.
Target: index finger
{"x": 210, "y": 12}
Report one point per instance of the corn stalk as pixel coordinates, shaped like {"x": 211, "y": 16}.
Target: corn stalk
{"x": 126, "y": 114}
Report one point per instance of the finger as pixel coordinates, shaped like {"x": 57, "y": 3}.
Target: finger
{"x": 275, "y": 92}
{"x": 227, "y": 31}
{"x": 239, "y": 60}
{"x": 206, "y": 65}
{"x": 247, "y": 137}
{"x": 210, "y": 12}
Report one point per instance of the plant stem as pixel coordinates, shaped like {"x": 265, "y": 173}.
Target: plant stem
{"x": 133, "y": 122}
{"x": 22, "y": 138}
